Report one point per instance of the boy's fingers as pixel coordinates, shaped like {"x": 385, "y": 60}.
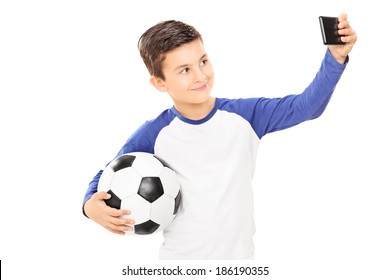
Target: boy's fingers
{"x": 343, "y": 17}
{"x": 120, "y": 229}
{"x": 121, "y": 222}
{"x": 119, "y": 212}
{"x": 116, "y": 231}
{"x": 102, "y": 195}
{"x": 346, "y": 31}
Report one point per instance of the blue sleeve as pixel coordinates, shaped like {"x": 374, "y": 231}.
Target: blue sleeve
{"x": 267, "y": 115}
{"x": 92, "y": 188}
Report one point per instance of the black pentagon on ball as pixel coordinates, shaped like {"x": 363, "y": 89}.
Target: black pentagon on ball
{"x": 151, "y": 188}
{"x": 114, "y": 201}
{"x": 177, "y": 203}
{"x": 122, "y": 162}
{"x": 147, "y": 227}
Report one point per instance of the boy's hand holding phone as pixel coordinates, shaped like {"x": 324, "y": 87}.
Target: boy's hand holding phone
{"x": 338, "y": 35}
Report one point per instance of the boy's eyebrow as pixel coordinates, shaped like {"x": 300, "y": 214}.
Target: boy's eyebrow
{"x": 185, "y": 65}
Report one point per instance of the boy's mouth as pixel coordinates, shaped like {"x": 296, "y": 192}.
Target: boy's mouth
{"x": 203, "y": 87}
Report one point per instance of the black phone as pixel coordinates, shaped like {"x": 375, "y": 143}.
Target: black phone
{"x": 329, "y": 30}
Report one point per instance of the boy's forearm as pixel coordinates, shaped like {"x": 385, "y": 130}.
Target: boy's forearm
{"x": 91, "y": 189}
{"x": 318, "y": 93}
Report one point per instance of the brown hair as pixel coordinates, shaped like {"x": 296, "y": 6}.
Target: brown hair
{"x": 162, "y": 38}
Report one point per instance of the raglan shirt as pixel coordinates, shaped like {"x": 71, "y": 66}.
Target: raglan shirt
{"x": 215, "y": 159}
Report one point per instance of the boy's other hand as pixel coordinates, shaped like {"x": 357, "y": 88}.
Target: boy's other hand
{"x": 340, "y": 52}
{"x": 110, "y": 218}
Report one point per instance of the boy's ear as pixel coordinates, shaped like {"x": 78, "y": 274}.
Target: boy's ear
{"x": 158, "y": 83}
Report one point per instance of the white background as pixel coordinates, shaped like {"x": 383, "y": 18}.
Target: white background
{"x": 73, "y": 88}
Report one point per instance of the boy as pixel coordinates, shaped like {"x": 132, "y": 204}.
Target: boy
{"x": 211, "y": 142}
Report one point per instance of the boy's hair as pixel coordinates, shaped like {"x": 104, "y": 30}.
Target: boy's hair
{"x": 162, "y": 38}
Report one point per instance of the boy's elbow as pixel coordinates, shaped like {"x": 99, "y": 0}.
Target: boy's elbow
{"x": 320, "y": 110}
{"x": 317, "y": 115}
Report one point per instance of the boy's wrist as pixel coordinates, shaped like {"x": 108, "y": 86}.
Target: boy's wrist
{"x": 340, "y": 58}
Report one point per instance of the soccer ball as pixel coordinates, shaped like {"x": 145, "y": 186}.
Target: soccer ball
{"x": 147, "y": 186}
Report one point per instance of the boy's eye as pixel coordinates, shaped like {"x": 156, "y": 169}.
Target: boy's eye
{"x": 203, "y": 62}
{"x": 184, "y": 71}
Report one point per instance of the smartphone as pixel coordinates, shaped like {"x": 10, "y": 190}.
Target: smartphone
{"x": 329, "y": 30}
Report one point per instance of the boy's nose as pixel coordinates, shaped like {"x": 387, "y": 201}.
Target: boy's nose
{"x": 200, "y": 76}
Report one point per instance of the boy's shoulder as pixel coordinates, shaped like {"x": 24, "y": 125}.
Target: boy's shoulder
{"x": 143, "y": 138}
{"x": 159, "y": 122}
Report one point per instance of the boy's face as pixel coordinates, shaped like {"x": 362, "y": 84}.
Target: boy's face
{"x": 188, "y": 75}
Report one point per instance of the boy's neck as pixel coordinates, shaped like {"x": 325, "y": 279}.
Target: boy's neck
{"x": 196, "y": 111}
